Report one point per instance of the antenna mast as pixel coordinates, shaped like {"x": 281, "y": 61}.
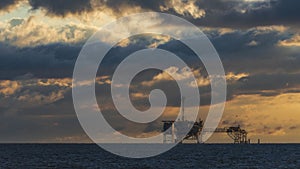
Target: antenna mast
{"x": 182, "y": 107}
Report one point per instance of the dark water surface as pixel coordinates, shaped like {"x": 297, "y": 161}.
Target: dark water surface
{"x": 208, "y": 156}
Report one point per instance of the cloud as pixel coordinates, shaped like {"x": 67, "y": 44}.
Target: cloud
{"x": 37, "y": 61}
{"x": 8, "y": 87}
{"x": 62, "y": 8}
{"x": 47, "y": 61}
{"x": 183, "y": 74}
{"x": 252, "y": 43}
{"x": 184, "y": 8}
{"x": 272, "y": 28}
{"x": 102, "y": 80}
{"x": 37, "y": 98}
{"x": 7, "y": 5}
{"x": 231, "y": 76}
{"x": 33, "y": 92}
{"x": 201, "y": 80}
{"x": 237, "y": 57}
{"x": 147, "y": 40}
{"x": 32, "y": 32}
{"x": 266, "y": 56}
{"x": 36, "y": 92}
{"x": 175, "y": 72}
{"x": 116, "y": 7}
{"x": 219, "y": 31}
{"x": 263, "y": 116}
{"x": 138, "y": 95}
{"x": 64, "y": 82}
{"x": 217, "y": 13}
{"x": 292, "y": 42}
{"x": 241, "y": 14}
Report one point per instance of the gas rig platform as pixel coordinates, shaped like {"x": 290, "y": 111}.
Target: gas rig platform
{"x": 236, "y": 133}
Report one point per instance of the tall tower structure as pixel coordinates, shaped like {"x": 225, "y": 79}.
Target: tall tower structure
{"x": 182, "y": 107}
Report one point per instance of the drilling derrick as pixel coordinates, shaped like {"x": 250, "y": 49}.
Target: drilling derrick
{"x": 238, "y": 135}
{"x": 168, "y": 129}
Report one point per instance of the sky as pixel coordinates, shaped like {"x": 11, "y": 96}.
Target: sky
{"x": 258, "y": 42}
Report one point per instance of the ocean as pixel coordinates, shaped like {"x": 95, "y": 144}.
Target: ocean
{"x": 206, "y": 156}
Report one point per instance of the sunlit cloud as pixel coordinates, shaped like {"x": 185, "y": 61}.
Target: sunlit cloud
{"x": 152, "y": 41}
{"x": 41, "y": 91}
{"x": 292, "y": 42}
{"x": 257, "y": 41}
{"x": 236, "y": 76}
{"x": 221, "y": 31}
{"x": 8, "y": 87}
{"x": 171, "y": 74}
{"x": 262, "y": 116}
{"x": 64, "y": 82}
{"x": 253, "y": 43}
{"x": 272, "y": 28}
{"x": 183, "y": 74}
{"x": 184, "y": 8}
{"x": 31, "y": 32}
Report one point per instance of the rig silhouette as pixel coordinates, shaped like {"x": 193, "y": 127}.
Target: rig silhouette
{"x": 236, "y": 133}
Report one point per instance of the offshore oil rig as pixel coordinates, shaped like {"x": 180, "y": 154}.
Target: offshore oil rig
{"x": 236, "y": 133}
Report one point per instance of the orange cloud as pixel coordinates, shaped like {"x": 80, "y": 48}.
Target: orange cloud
{"x": 184, "y": 8}
{"x": 268, "y": 118}
{"x": 236, "y": 76}
{"x": 8, "y": 87}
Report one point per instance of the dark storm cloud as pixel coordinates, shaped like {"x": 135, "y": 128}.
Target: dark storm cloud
{"x": 237, "y": 57}
{"x": 61, "y": 7}
{"x": 46, "y": 61}
{"x": 237, "y": 14}
{"x": 273, "y": 69}
{"x": 264, "y": 57}
{"x": 57, "y": 61}
{"x": 118, "y": 6}
{"x": 273, "y": 12}
{"x": 6, "y": 4}
{"x": 219, "y": 13}
{"x": 265, "y": 85}
{"x": 58, "y": 118}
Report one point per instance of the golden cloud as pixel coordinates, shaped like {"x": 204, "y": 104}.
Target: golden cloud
{"x": 8, "y": 87}
{"x": 41, "y": 91}
{"x": 292, "y": 42}
{"x": 183, "y": 74}
{"x": 272, "y": 28}
{"x": 184, "y": 8}
{"x": 236, "y": 76}
{"x": 264, "y": 117}
{"x": 64, "y": 82}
